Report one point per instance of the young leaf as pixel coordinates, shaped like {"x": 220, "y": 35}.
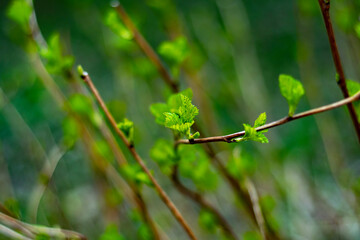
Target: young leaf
{"x": 261, "y": 120}
{"x": 178, "y": 114}
{"x": 134, "y": 173}
{"x": 208, "y": 221}
{"x": 195, "y": 165}
{"x": 158, "y": 110}
{"x": 56, "y": 62}
{"x": 112, "y": 21}
{"x": 252, "y": 134}
{"x": 353, "y": 88}
{"x": 241, "y": 164}
{"x": 292, "y": 90}
{"x": 127, "y": 127}
{"x": 176, "y": 51}
{"x": 163, "y": 154}
{"x": 20, "y": 11}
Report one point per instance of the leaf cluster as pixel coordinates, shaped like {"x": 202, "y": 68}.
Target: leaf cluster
{"x": 177, "y": 114}
{"x": 56, "y": 62}
{"x": 252, "y": 134}
{"x": 127, "y": 127}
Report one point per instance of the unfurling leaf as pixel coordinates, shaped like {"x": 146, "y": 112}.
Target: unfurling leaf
{"x": 252, "y": 134}
{"x": 178, "y": 114}
{"x": 292, "y": 90}
{"x": 127, "y": 127}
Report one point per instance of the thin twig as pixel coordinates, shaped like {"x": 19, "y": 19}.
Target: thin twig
{"x": 325, "y": 10}
{"x": 145, "y": 47}
{"x": 230, "y": 138}
{"x": 137, "y": 157}
{"x": 198, "y": 198}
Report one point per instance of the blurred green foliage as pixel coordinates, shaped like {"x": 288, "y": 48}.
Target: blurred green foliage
{"x": 230, "y": 53}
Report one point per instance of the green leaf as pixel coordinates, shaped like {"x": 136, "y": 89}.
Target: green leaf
{"x": 261, "y": 120}
{"x": 178, "y": 114}
{"x": 195, "y": 165}
{"x": 158, "y": 110}
{"x": 163, "y": 154}
{"x": 182, "y": 119}
{"x": 357, "y": 29}
{"x": 71, "y": 131}
{"x": 111, "y": 233}
{"x": 81, "y": 104}
{"x": 194, "y": 135}
{"x": 292, "y": 90}
{"x": 175, "y": 101}
{"x": 113, "y": 22}
{"x": 102, "y": 148}
{"x": 241, "y": 164}
{"x": 353, "y": 88}
{"x": 252, "y": 134}
{"x": 174, "y": 51}
{"x": 20, "y": 11}
{"x": 208, "y": 221}
{"x": 135, "y": 174}
{"x": 56, "y": 62}
{"x": 127, "y": 127}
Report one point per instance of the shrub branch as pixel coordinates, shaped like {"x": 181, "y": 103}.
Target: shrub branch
{"x": 325, "y": 10}
{"x": 164, "y": 197}
{"x": 230, "y": 138}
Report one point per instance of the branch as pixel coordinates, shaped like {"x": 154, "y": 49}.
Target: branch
{"x": 32, "y": 231}
{"x": 229, "y": 138}
{"x": 137, "y": 157}
{"x": 325, "y": 10}
{"x": 198, "y": 198}
{"x": 145, "y": 46}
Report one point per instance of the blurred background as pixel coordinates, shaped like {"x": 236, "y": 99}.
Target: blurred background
{"x": 52, "y": 173}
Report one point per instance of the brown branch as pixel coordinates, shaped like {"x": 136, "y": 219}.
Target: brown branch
{"x": 145, "y": 47}
{"x": 198, "y": 198}
{"x": 137, "y": 157}
{"x": 230, "y": 138}
{"x": 325, "y": 10}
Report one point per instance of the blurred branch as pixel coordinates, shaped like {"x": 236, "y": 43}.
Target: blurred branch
{"x": 230, "y": 138}
{"x": 325, "y": 10}
{"x": 8, "y": 232}
{"x": 198, "y": 198}
{"x": 32, "y": 231}
{"x": 145, "y": 47}
{"x": 137, "y": 157}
